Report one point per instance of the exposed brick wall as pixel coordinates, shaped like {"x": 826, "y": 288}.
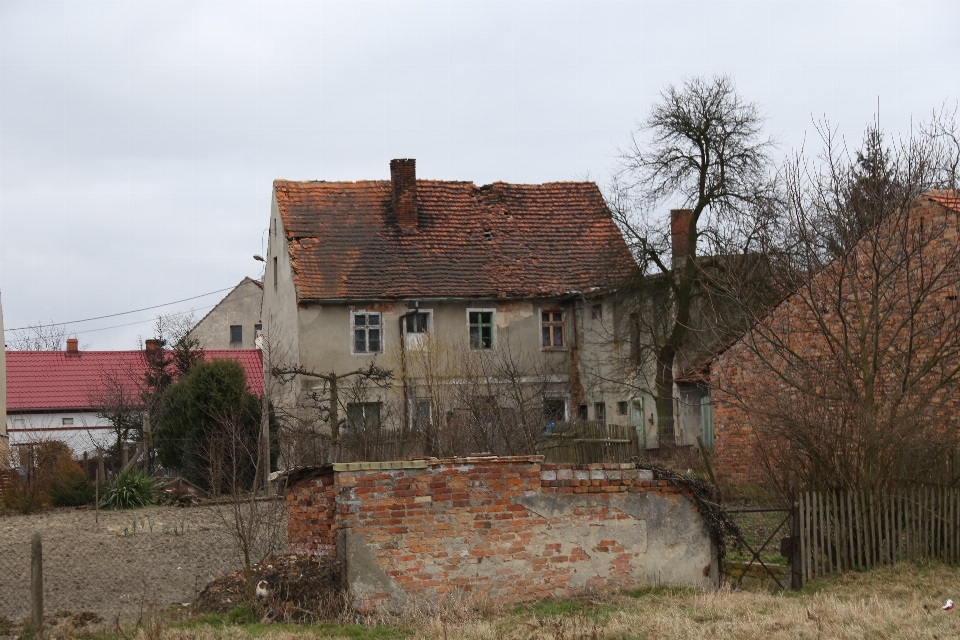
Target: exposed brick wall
{"x": 745, "y": 383}
{"x": 508, "y": 529}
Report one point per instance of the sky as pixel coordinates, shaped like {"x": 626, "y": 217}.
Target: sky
{"x": 139, "y": 139}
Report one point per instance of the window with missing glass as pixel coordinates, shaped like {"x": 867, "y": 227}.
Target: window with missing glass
{"x": 367, "y": 333}
{"x": 552, "y": 328}
{"x": 236, "y": 333}
{"x": 600, "y": 412}
{"x": 363, "y": 415}
{"x": 481, "y": 329}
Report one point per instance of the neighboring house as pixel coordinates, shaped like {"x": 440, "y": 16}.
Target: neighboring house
{"x": 357, "y": 270}
{"x": 235, "y": 322}
{"x": 903, "y": 276}
{"x": 55, "y": 395}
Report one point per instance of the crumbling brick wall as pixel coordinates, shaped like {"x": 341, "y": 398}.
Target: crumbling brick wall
{"x": 505, "y": 529}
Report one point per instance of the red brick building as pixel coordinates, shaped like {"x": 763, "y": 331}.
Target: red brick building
{"x": 895, "y": 295}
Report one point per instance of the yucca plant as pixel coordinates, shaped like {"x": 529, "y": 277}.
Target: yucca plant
{"x": 130, "y": 490}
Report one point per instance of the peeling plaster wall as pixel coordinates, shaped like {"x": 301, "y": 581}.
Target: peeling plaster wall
{"x": 507, "y": 529}
{"x": 239, "y": 307}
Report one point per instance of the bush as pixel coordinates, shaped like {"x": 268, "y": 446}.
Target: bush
{"x": 46, "y": 468}
{"x": 130, "y": 490}
{"x": 71, "y": 489}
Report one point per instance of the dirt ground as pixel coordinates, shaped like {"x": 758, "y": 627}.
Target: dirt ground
{"x": 133, "y": 559}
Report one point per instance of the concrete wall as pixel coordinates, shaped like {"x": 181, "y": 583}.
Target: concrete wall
{"x": 507, "y": 529}
{"x": 240, "y": 307}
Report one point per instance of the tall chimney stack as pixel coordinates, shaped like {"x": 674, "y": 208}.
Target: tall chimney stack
{"x": 72, "y": 348}
{"x": 403, "y": 179}
{"x": 680, "y": 234}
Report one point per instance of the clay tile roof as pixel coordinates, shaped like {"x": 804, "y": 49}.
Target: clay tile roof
{"x": 949, "y": 199}
{"x": 48, "y": 380}
{"x": 498, "y": 241}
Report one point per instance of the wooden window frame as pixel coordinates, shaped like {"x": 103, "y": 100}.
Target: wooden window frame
{"x": 551, "y": 324}
{"x": 366, "y": 329}
{"x": 479, "y": 326}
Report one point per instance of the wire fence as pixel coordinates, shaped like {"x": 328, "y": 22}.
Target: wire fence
{"x": 118, "y": 564}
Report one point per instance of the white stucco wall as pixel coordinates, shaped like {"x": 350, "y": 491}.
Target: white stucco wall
{"x": 87, "y": 432}
{"x": 239, "y": 307}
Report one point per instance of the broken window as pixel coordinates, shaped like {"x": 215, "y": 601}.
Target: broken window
{"x": 554, "y": 410}
{"x": 621, "y": 408}
{"x": 366, "y": 333}
{"x": 481, "y": 329}
{"x": 581, "y": 412}
{"x": 600, "y": 412}
{"x": 417, "y": 323}
{"x": 236, "y": 333}
{"x": 552, "y": 326}
{"x": 596, "y": 312}
{"x": 363, "y": 415}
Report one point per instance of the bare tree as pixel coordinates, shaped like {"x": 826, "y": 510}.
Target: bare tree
{"x": 39, "y": 337}
{"x": 851, "y": 382}
{"x": 702, "y": 147}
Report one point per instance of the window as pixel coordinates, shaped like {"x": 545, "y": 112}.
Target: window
{"x": 236, "y": 333}
{"x": 257, "y": 330}
{"x": 366, "y": 333}
{"x": 600, "y": 412}
{"x": 481, "y": 329}
{"x": 596, "y": 312}
{"x": 67, "y": 422}
{"x": 554, "y": 410}
{"x": 274, "y": 274}
{"x": 363, "y": 415}
{"x": 581, "y": 412}
{"x": 422, "y": 416}
{"x": 417, "y": 323}
{"x": 551, "y": 323}
{"x": 621, "y": 408}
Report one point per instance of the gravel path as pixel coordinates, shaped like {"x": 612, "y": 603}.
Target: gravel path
{"x": 109, "y": 569}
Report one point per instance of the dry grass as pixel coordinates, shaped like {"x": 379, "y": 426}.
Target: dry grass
{"x": 896, "y": 602}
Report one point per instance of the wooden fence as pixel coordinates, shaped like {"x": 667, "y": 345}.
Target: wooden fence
{"x": 587, "y": 441}
{"x": 840, "y": 531}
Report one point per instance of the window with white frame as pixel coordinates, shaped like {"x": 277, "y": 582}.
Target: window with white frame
{"x": 415, "y": 327}
{"x": 552, "y": 328}
{"x": 480, "y": 323}
{"x": 367, "y": 332}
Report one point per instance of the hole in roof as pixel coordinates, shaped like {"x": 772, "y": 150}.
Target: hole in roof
{"x": 488, "y": 234}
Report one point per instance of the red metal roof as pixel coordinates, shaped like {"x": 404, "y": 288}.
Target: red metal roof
{"x": 54, "y": 380}
{"x": 498, "y": 241}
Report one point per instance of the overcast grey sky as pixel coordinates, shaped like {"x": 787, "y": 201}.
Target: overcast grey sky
{"x": 139, "y": 139}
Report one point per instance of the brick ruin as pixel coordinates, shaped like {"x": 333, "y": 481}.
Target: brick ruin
{"x": 506, "y": 529}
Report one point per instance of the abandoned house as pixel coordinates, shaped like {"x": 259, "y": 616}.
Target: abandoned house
{"x": 463, "y": 293}
{"x": 877, "y": 325}
{"x": 234, "y": 323}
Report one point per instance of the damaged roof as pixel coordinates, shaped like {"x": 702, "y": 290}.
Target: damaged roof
{"x": 499, "y": 241}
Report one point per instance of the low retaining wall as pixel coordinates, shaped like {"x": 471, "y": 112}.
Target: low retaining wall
{"x": 508, "y": 528}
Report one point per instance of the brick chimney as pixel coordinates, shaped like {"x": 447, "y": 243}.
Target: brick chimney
{"x": 153, "y": 348}
{"x": 72, "y": 348}
{"x": 680, "y": 234}
{"x": 403, "y": 180}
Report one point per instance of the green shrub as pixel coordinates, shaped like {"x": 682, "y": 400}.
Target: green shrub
{"x": 71, "y": 489}
{"x": 130, "y": 490}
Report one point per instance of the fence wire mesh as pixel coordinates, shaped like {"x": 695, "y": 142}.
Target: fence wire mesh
{"x": 119, "y": 563}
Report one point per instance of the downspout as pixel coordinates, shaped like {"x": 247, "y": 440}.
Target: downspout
{"x": 403, "y": 373}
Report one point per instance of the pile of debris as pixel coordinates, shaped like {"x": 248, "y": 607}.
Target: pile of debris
{"x": 287, "y": 587}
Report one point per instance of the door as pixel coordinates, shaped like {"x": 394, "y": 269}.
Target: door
{"x": 636, "y": 421}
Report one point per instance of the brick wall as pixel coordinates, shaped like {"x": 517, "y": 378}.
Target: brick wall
{"x": 749, "y": 396}
{"x": 504, "y": 529}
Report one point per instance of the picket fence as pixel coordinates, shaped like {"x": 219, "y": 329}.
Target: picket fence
{"x": 840, "y": 531}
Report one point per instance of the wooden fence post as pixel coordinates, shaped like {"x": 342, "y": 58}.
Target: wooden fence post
{"x": 796, "y": 560}
{"x": 36, "y": 583}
